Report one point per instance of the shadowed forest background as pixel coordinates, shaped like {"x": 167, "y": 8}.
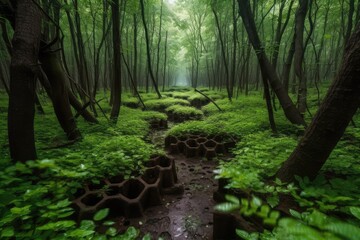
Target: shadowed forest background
{"x": 179, "y": 119}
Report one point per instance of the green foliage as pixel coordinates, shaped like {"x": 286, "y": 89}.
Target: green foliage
{"x": 195, "y": 127}
{"x": 309, "y": 225}
{"x": 185, "y": 112}
{"x": 315, "y": 225}
{"x": 249, "y": 208}
{"x": 162, "y": 104}
{"x": 257, "y": 156}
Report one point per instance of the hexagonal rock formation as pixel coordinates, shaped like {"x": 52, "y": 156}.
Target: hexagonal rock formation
{"x": 198, "y": 145}
{"x": 129, "y": 197}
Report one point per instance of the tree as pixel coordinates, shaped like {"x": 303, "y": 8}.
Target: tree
{"x": 117, "y": 61}
{"x": 147, "y": 41}
{"x": 299, "y": 53}
{"x": 26, "y": 43}
{"x": 328, "y": 125}
{"x": 268, "y": 71}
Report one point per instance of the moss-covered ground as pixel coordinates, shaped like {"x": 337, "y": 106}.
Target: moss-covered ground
{"x": 35, "y": 197}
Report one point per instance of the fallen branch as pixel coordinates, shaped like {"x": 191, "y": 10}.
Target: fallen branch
{"x": 217, "y": 106}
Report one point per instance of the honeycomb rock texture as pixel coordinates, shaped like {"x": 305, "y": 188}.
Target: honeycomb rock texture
{"x": 129, "y": 197}
{"x": 198, "y": 145}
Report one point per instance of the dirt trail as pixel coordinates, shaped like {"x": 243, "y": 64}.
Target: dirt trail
{"x": 187, "y": 215}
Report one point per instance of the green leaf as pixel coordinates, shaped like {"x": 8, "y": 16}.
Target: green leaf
{"x": 108, "y": 223}
{"x": 344, "y": 229}
{"x": 80, "y": 233}
{"x": 226, "y": 207}
{"x": 355, "y": 211}
{"x": 256, "y": 202}
{"x": 273, "y": 200}
{"x": 7, "y": 232}
{"x": 111, "y": 232}
{"x": 87, "y": 225}
{"x": 147, "y": 237}
{"x": 100, "y": 215}
{"x": 244, "y": 235}
{"x": 295, "y": 214}
{"x": 232, "y": 199}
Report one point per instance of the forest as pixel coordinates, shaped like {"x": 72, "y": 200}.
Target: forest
{"x": 180, "y": 119}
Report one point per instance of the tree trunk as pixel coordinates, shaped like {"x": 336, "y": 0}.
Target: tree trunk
{"x": 328, "y": 125}
{"x": 288, "y": 106}
{"x": 59, "y": 93}
{"x": 148, "y": 48}
{"x": 26, "y": 42}
{"x": 117, "y": 61}
{"x": 223, "y": 53}
{"x": 299, "y": 54}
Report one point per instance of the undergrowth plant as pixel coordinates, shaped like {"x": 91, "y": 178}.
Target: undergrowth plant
{"x": 184, "y": 112}
{"x": 308, "y": 225}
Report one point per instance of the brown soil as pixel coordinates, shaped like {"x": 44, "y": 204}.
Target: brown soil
{"x": 187, "y": 215}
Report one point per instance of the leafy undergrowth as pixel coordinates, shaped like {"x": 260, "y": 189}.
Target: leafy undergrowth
{"x": 35, "y": 197}
{"x": 328, "y": 203}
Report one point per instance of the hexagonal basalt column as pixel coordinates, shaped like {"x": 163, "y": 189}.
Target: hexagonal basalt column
{"x": 168, "y": 171}
{"x": 170, "y": 140}
{"x": 152, "y": 181}
{"x": 210, "y": 149}
{"x": 133, "y": 192}
{"x": 191, "y": 148}
{"x": 128, "y": 197}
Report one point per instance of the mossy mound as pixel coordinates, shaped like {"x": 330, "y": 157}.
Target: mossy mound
{"x": 131, "y": 102}
{"x": 163, "y": 103}
{"x": 179, "y": 113}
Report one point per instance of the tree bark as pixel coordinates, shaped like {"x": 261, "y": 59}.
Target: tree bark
{"x": 269, "y": 72}
{"x": 148, "y": 48}
{"x": 328, "y": 125}
{"x": 299, "y": 54}
{"x": 59, "y": 93}
{"x": 117, "y": 61}
{"x": 26, "y": 43}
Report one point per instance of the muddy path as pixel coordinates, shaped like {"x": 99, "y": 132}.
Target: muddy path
{"x": 186, "y": 214}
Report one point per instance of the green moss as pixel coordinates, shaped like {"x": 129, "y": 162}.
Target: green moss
{"x": 136, "y": 121}
{"x": 195, "y": 127}
{"x": 163, "y": 103}
{"x": 184, "y": 112}
{"x": 132, "y": 102}
{"x": 182, "y": 95}
{"x": 197, "y": 96}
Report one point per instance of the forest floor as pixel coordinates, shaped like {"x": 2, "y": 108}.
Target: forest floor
{"x": 37, "y": 198}
{"x": 187, "y": 214}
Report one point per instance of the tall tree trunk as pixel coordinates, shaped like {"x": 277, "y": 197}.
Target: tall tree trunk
{"x": 135, "y": 73}
{"x": 158, "y": 44}
{"x": 148, "y": 48}
{"x": 59, "y": 93}
{"x": 299, "y": 54}
{"x": 26, "y": 42}
{"x": 288, "y": 106}
{"x": 165, "y": 60}
{"x": 285, "y": 76}
{"x": 116, "y": 62}
{"x": 328, "y": 125}
{"x": 222, "y": 44}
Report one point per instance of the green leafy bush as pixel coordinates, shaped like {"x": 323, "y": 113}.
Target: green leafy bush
{"x": 257, "y": 156}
